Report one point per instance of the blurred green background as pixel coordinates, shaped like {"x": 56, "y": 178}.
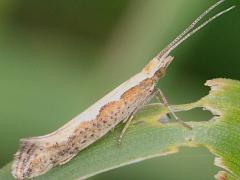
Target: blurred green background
{"x": 59, "y": 57}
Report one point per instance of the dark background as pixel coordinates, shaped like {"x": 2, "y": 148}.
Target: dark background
{"x": 59, "y": 57}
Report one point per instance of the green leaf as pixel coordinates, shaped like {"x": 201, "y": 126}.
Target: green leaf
{"x": 147, "y": 137}
{"x": 222, "y": 175}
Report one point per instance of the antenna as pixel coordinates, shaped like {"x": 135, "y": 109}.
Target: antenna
{"x": 187, "y": 32}
{"x": 198, "y": 28}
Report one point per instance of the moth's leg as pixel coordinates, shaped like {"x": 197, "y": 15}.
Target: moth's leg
{"x": 128, "y": 122}
{"x": 160, "y": 96}
{"x": 127, "y": 119}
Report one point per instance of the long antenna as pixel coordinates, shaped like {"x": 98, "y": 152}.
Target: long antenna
{"x": 197, "y": 29}
{"x": 189, "y": 28}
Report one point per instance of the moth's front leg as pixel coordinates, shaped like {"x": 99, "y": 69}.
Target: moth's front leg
{"x": 161, "y": 97}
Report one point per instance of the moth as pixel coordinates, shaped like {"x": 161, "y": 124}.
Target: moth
{"x": 37, "y": 155}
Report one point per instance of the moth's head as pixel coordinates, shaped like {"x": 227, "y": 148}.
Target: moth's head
{"x": 157, "y": 64}
{"x": 164, "y": 62}
{"x": 31, "y": 160}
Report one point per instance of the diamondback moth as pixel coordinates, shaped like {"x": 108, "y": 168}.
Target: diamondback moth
{"x": 37, "y": 155}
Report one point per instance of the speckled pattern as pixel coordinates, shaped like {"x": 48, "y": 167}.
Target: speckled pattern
{"x": 36, "y": 157}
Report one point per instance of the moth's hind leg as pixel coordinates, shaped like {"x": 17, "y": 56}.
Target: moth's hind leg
{"x": 160, "y": 96}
